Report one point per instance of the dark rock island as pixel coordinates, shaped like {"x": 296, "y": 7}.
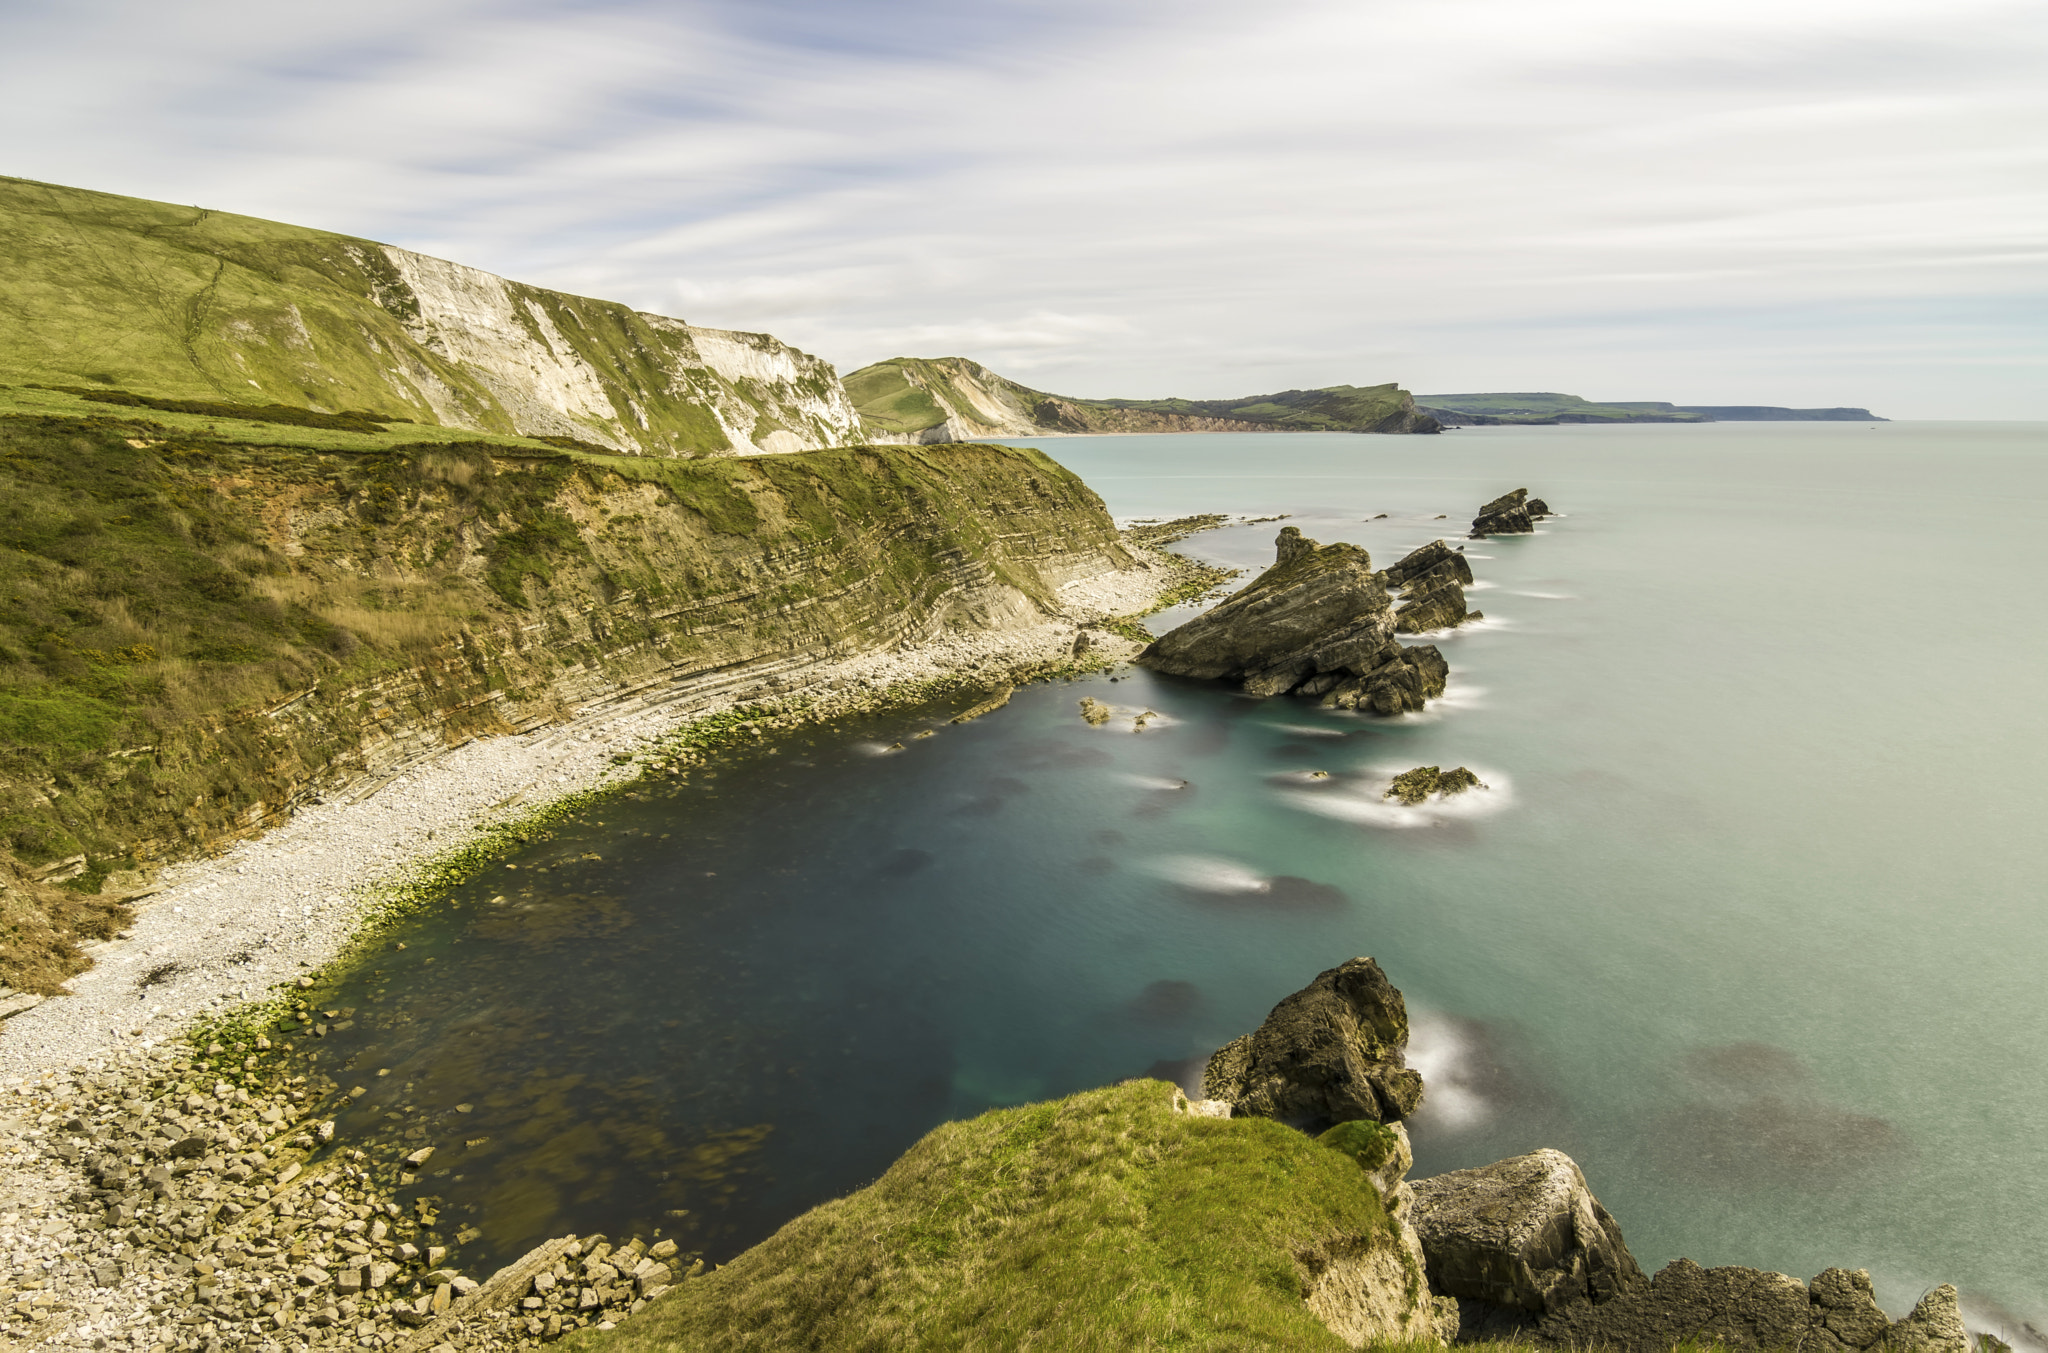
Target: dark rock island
{"x": 1319, "y": 622}
{"x": 1514, "y": 513}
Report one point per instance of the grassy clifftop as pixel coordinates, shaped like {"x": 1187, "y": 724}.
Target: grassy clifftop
{"x": 102, "y": 291}
{"x": 948, "y": 397}
{"x": 1105, "y": 1220}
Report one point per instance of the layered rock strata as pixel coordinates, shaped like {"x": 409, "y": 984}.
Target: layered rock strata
{"x": 1333, "y": 1052}
{"x": 1319, "y": 623}
{"x": 1514, "y": 513}
{"x": 1431, "y": 582}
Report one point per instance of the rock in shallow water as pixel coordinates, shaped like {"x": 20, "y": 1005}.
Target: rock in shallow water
{"x": 1332, "y": 1052}
{"x": 1510, "y": 514}
{"x": 1318, "y": 622}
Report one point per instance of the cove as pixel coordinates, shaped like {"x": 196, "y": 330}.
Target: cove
{"x": 1748, "y": 920}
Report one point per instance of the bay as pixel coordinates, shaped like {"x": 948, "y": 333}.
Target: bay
{"x": 1749, "y": 919}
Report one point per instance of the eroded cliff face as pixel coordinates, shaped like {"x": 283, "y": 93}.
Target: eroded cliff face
{"x": 100, "y": 290}
{"x": 345, "y": 613}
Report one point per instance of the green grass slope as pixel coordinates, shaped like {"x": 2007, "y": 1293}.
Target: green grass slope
{"x": 1101, "y": 1221}
{"x": 1549, "y": 407}
{"x": 98, "y": 290}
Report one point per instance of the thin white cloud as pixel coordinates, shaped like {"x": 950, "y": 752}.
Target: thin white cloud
{"x": 1136, "y": 198}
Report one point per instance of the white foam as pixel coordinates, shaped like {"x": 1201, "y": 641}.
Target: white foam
{"x": 1309, "y": 730}
{"x": 1210, "y": 874}
{"x": 1153, "y": 782}
{"x": 1548, "y": 596}
{"x": 1441, "y": 1054}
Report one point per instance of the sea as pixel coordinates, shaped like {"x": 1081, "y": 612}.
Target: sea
{"x": 1750, "y": 917}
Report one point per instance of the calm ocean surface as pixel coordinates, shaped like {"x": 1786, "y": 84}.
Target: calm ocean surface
{"x": 1751, "y": 920}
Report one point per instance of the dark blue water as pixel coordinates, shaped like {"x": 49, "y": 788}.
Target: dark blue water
{"x": 1748, "y": 920}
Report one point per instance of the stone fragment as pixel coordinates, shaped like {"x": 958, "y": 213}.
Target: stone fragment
{"x": 1524, "y": 1233}
{"x": 1330, "y": 1053}
{"x": 419, "y": 1157}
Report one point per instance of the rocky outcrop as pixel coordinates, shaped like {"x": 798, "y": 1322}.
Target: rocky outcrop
{"x": 1414, "y": 786}
{"x": 1333, "y": 1052}
{"x": 1525, "y": 1233}
{"x": 1510, "y": 514}
{"x": 1431, "y": 582}
{"x": 1319, "y": 622}
{"x": 1750, "y": 1308}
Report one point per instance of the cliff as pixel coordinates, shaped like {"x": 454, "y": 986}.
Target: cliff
{"x": 100, "y": 291}
{"x": 198, "y": 632}
{"x": 947, "y": 398}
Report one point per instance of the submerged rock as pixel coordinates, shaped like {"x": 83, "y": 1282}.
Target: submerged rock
{"x": 1524, "y": 1233}
{"x": 1510, "y": 514}
{"x": 1319, "y": 622}
{"x": 1333, "y": 1052}
{"x": 1413, "y": 786}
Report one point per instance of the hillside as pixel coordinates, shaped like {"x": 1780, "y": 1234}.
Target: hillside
{"x": 204, "y": 623}
{"x": 1548, "y": 407}
{"x": 949, "y": 398}
{"x": 105, "y": 292}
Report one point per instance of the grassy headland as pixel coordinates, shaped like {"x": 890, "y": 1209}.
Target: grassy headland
{"x": 1101, "y": 1221}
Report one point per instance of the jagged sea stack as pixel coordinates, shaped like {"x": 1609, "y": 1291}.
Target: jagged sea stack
{"x": 1432, "y": 583}
{"x": 1514, "y": 513}
{"x": 1319, "y": 622}
{"x": 1333, "y": 1052}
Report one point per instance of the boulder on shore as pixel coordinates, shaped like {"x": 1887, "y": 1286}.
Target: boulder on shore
{"x": 1319, "y": 622}
{"x": 1524, "y": 1233}
{"x": 1333, "y": 1052}
{"x": 1513, "y": 513}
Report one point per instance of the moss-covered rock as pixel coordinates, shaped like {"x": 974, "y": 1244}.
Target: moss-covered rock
{"x": 1412, "y": 787}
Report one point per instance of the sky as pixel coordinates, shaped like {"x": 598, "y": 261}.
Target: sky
{"x": 1800, "y": 202}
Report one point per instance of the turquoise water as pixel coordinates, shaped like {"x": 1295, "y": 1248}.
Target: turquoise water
{"x": 1749, "y": 920}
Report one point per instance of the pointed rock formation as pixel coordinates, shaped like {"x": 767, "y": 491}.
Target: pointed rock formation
{"x": 1318, "y": 622}
{"x": 1432, "y": 583}
{"x": 1333, "y": 1052}
{"x": 1510, "y": 514}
